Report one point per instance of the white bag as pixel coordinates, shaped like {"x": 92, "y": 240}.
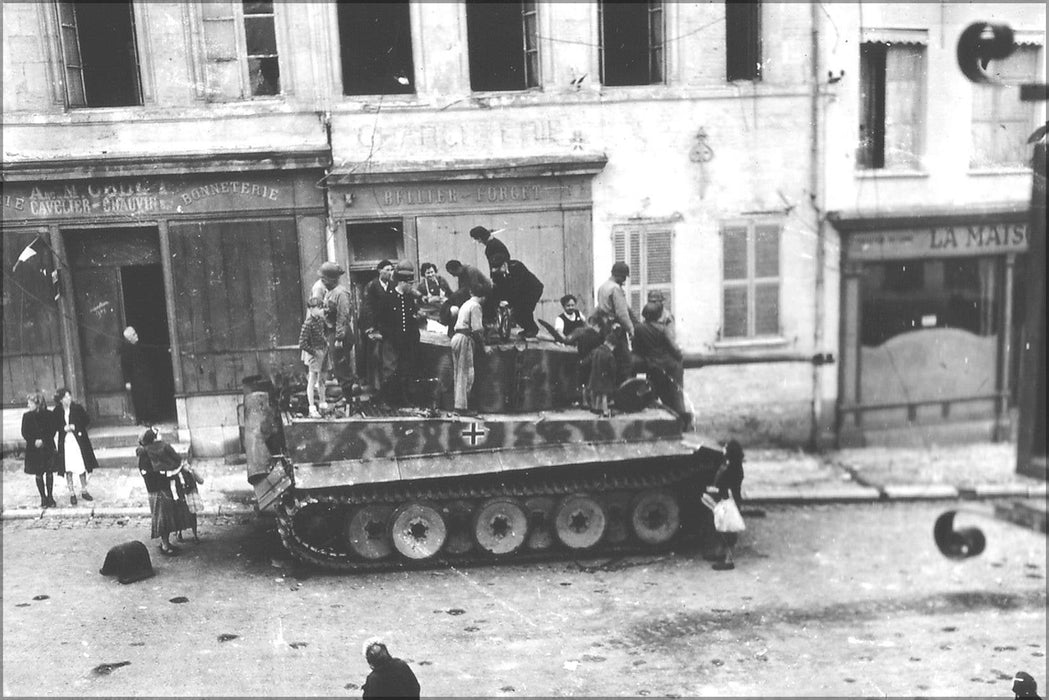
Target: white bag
{"x": 727, "y": 517}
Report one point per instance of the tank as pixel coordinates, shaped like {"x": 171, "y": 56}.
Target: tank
{"x": 529, "y": 477}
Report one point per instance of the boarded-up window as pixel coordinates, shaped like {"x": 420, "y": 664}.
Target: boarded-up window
{"x": 1001, "y": 123}
{"x": 892, "y": 105}
{"x": 750, "y": 280}
{"x": 238, "y": 300}
{"x": 32, "y": 347}
{"x": 633, "y": 38}
{"x": 742, "y": 40}
{"x": 647, "y": 247}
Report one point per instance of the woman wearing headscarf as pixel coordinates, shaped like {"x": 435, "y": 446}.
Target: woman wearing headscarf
{"x": 38, "y": 430}
{"x": 75, "y": 454}
{"x": 158, "y": 463}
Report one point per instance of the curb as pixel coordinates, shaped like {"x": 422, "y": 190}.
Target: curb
{"x": 114, "y": 512}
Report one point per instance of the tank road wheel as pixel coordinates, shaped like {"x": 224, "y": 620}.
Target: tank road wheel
{"x": 540, "y": 510}
{"x": 617, "y": 510}
{"x": 500, "y": 526}
{"x": 655, "y": 516}
{"x": 580, "y": 522}
{"x": 418, "y": 531}
{"x": 457, "y": 519}
{"x": 368, "y": 532}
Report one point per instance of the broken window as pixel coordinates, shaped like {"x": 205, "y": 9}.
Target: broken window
{"x": 260, "y": 41}
{"x": 1001, "y": 123}
{"x": 240, "y": 50}
{"x": 892, "y": 105}
{"x": 750, "y": 280}
{"x": 503, "y": 45}
{"x": 376, "y": 44}
{"x": 99, "y": 54}
{"x": 742, "y": 40}
{"x": 632, "y": 43}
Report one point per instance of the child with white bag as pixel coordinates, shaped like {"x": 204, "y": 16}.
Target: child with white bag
{"x": 727, "y": 519}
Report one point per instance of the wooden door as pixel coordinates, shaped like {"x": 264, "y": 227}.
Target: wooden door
{"x": 99, "y": 307}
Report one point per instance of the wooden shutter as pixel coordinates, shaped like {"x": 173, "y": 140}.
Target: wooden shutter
{"x": 735, "y": 266}
{"x": 529, "y": 17}
{"x": 656, "y": 41}
{"x": 76, "y": 95}
{"x": 222, "y": 69}
{"x": 659, "y": 264}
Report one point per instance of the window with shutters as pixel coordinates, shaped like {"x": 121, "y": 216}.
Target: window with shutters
{"x": 742, "y": 40}
{"x": 1001, "y": 123}
{"x": 892, "y": 105}
{"x": 376, "y": 48}
{"x": 240, "y": 50}
{"x": 503, "y": 45}
{"x": 647, "y": 247}
{"x": 99, "y": 54}
{"x": 750, "y": 280}
{"x": 633, "y": 43}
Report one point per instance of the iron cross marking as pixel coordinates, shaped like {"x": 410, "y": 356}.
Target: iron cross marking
{"x": 475, "y": 434}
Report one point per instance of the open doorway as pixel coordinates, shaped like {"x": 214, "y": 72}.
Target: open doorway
{"x": 145, "y": 311}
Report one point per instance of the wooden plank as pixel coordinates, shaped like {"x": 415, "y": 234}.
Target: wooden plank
{"x": 312, "y": 250}
{"x": 170, "y": 306}
{"x": 578, "y": 246}
{"x": 218, "y": 302}
{"x": 287, "y": 287}
{"x": 261, "y": 288}
{"x": 235, "y": 240}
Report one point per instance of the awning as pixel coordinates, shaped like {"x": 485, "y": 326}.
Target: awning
{"x": 897, "y": 35}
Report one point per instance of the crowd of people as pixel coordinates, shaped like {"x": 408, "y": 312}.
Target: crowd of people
{"x": 612, "y": 343}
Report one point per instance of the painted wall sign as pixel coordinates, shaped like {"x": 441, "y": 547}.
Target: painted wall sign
{"x": 357, "y": 200}
{"x": 440, "y": 137}
{"x": 145, "y": 198}
{"x": 939, "y": 241}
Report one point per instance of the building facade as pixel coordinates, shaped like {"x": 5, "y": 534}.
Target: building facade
{"x": 185, "y": 167}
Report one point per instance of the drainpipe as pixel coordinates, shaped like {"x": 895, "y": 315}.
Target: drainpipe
{"x": 817, "y": 205}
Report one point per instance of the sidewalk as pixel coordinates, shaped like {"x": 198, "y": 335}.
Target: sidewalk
{"x": 982, "y": 470}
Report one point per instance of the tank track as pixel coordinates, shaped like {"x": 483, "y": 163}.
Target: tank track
{"x": 682, "y": 476}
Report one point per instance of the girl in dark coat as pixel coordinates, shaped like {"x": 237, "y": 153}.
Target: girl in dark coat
{"x": 75, "y": 454}
{"x": 154, "y": 464}
{"x": 38, "y": 429}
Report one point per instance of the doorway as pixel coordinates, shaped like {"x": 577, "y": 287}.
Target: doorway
{"x": 117, "y": 281}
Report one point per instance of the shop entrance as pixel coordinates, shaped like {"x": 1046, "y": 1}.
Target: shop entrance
{"x": 117, "y": 281}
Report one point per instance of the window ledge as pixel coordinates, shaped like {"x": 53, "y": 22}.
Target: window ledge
{"x": 883, "y": 174}
{"x": 999, "y": 170}
{"x": 765, "y": 343}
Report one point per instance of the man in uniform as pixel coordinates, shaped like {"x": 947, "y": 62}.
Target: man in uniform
{"x": 612, "y": 303}
{"x": 397, "y": 322}
{"x": 372, "y": 296}
{"x": 338, "y": 324}
{"x": 520, "y": 289}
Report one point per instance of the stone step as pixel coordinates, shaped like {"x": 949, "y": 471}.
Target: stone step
{"x": 1031, "y": 515}
{"x": 101, "y": 437}
{"x": 124, "y": 456}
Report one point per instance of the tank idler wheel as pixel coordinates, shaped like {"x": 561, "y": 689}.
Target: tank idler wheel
{"x": 418, "y": 531}
{"x": 500, "y": 526}
{"x": 617, "y": 509}
{"x": 458, "y": 521}
{"x": 540, "y": 510}
{"x": 368, "y": 532}
{"x": 318, "y": 525}
{"x": 655, "y": 516}
{"x": 580, "y": 522}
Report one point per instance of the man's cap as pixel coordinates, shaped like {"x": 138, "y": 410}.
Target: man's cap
{"x": 655, "y": 295}
{"x": 1024, "y": 685}
{"x": 383, "y": 263}
{"x": 620, "y": 268}
{"x": 404, "y": 271}
{"x": 330, "y": 270}
{"x": 498, "y": 259}
{"x": 480, "y": 233}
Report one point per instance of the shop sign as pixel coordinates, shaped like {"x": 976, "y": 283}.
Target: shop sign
{"x": 138, "y": 198}
{"x": 939, "y": 241}
{"x": 457, "y": 135}
{"x": 456, "y": 196}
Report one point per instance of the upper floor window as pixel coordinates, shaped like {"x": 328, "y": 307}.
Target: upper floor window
{"x": 1001, "y": 123}
{"x": 376, "y": 44}
{"x": 632, "y": 43}
{"x": 647, "y": 247}
{"x": 99, "y": 54}
{"x": 742, "y": 40}
{"x": 892, "y": 105}
{"x": 750, "y": 280}
{"x": 240, "y": 49}
{"x": 503, "y": 45}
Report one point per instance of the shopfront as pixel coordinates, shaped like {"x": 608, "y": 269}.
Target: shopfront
{"x": 210, "y": 268}
{"x": 540, "y": 210}
{"x": 929, "y": 326}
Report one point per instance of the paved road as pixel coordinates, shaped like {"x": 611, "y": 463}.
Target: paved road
{"x": 827, "y": 600}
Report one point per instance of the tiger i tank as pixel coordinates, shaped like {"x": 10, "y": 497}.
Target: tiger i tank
{"x": 528, "y": 476}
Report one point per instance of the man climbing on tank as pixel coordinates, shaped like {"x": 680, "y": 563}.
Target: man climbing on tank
{"x": 467, "y": 276}
{"x": 493, "y": 247}
{"x": 518, "y": 288}
{"x": 397, "y": 322}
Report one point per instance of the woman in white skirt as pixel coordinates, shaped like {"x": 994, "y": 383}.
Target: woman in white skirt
{"x": 75, "y": 454}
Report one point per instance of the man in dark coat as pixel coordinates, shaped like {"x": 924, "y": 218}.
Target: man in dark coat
{"x": 374, "y": 293}
{"x": 493, "y": 247}
{"x": 397, "y": 321}
{"x": 469, "y": 276}
{"x": 517, "y": 286}
{"x": 390, "y": 677}
{"x": 662, "y": 359}
{"x": 138, "y": 379}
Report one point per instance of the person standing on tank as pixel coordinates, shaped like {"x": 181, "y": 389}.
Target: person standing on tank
{"x": 339, "y": 325}
{"x": 397, "y": 322}
{"x": 518, "y": 288}
{"x": 612, "y": 303}
{"x": 76, "y": 457}
{"x": 372, "y": 298}
{"x": 493, "y": 247}
{"x": 467, "y": 340}
{"x": 38, "y": 430}
{"x": 390, "y": 677}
